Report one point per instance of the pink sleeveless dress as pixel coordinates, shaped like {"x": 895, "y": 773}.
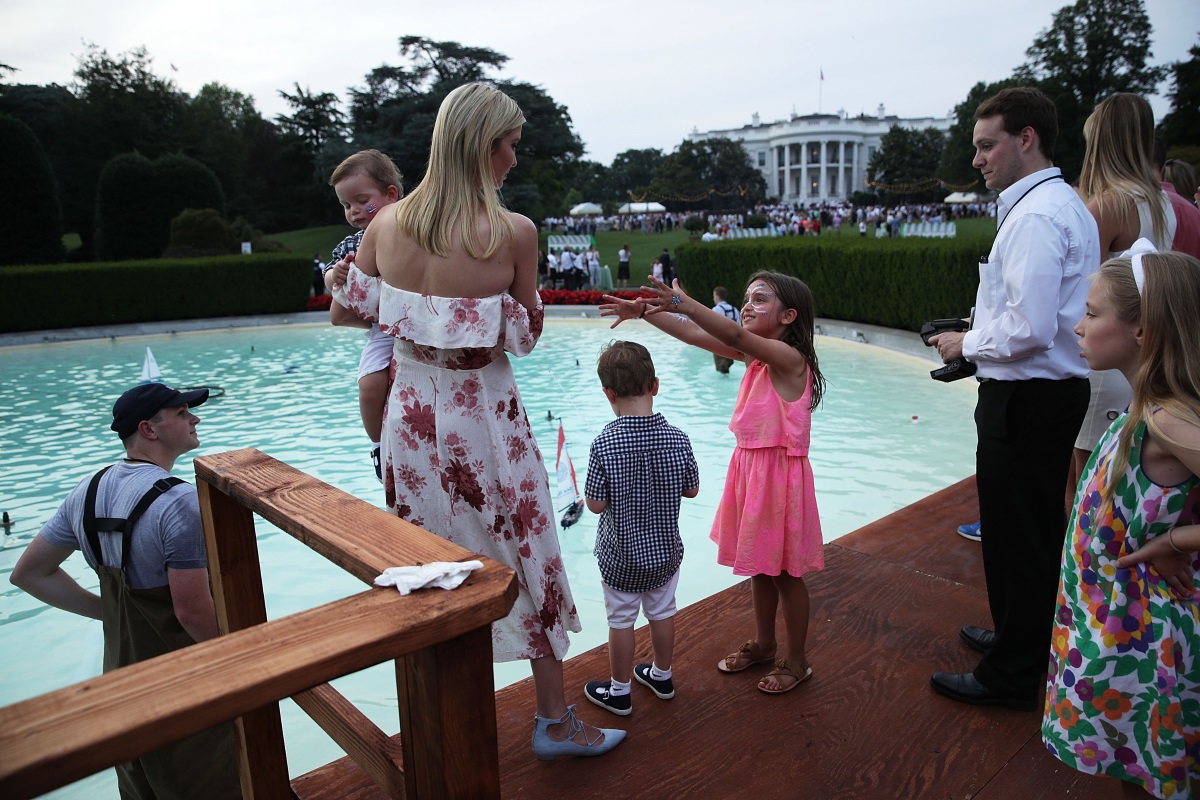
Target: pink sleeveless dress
{"x": 767, "y": 520}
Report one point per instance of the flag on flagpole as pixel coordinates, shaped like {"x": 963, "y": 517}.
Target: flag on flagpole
{"x": 822, "y": 73}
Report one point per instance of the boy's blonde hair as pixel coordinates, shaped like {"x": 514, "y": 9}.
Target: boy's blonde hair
{"x": 626, "y": 369}
{"x": 375, "y": 165}
{"x": 459, "y": 181}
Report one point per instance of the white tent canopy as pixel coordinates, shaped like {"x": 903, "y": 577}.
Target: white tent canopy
{"x": 586, "y": 208}
{"x": 962, "y": 197}
{"x": 641, "y": 208}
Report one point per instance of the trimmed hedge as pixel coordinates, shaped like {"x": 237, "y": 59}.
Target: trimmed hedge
{"x": 896, "y": 283}
{"x": 77, "y": 295}
{"x": 30, "y": 212}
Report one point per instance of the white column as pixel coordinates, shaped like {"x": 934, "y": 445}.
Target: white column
{"x": 823, "y": 188}
{"x": 787, "y": 172}
{"x": 841, "y": 188}
{"x": 802, "y": 195}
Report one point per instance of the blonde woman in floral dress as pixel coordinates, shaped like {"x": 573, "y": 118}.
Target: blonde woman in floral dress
{"x": 458, "y": 291}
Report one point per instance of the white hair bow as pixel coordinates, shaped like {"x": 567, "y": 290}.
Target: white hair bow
{"x": 1135, "y": 253}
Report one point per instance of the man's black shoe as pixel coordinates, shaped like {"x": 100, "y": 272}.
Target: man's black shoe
{"x": 964, "y": 688}
{"x": 980, "y": 639}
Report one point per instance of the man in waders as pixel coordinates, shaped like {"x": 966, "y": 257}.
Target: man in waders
{"x": 139, "y": 528}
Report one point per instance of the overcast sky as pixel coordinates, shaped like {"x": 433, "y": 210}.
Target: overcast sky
{"x": 632, "y": 73}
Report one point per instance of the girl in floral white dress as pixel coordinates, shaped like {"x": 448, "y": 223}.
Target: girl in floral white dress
{"x": 1123, "y": 686}
{"x": 458, "y": 290}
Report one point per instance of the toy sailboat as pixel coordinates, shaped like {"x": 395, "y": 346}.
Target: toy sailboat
{"x": 569, "y": 500}
{"x": 150, "y": 371}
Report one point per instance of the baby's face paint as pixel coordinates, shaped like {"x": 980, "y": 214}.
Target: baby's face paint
{"x": 372, "y": 208}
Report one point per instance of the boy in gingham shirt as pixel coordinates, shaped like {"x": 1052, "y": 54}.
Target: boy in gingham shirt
{"x": 639, "y": 467}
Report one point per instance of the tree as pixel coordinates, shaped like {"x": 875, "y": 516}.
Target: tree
{"x": 550, "y": 153}
{"x": 594, "y": 182}
{"x": 1091, "y": 49}
{"x": 319, "y": 123}
{"x": 395, "y": 111}
{"x": 122, "y": 106}
{"x": 50, "y": 113}
{"x": 904, "y": 167}
{"x": 711, "y": 173}
{"x": 221, "y": 126}
{"x": 1180, "y": 127}
{"x": 31, "y": 231}
{"x": 121, "y": 206}
{"x": 959, "y": 150}
{"x": 180, "y": 183}
{"x": 633, "y": 171}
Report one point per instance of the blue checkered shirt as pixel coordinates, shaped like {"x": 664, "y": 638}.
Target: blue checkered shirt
{"x": 344, "y": 248}
{"x": 640, "y": 465}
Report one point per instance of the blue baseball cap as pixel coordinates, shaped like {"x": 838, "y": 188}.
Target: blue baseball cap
{"x": 144, "y": 401}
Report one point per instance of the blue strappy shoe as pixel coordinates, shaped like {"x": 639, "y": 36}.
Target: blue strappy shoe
{"x": 547, "y": 749}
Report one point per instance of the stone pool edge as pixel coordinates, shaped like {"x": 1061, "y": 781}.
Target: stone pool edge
{"x": 899, "y": 341}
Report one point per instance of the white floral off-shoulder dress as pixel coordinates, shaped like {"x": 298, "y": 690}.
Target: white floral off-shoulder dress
{"x": 459, "y": 455}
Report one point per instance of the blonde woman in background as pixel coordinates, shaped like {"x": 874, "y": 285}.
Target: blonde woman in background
{"x": 1119, "y": 184}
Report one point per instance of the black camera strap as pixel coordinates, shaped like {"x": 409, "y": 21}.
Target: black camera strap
{"x": 1058, "y": 177}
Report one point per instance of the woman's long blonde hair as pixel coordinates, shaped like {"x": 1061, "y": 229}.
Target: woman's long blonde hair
{"x": 459, "y": 181}
{"x": 1168, "y": 374}
{"x": 1118, "y": 164}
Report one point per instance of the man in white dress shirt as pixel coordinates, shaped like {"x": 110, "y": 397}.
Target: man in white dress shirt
{"x": 1033, "y": 390}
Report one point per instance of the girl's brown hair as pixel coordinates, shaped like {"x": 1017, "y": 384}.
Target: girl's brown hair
{"x": 794, "y": 293}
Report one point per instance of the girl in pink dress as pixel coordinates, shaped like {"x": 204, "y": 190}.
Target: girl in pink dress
{"x": 767, "y": 525}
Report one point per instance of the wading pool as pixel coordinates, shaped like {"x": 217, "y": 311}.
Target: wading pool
{"x": 885, "y": 436}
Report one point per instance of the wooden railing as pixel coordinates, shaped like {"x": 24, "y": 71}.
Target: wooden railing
{"x": 440, "y": 641}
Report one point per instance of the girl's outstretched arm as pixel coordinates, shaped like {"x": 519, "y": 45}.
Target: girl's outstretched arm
{"x": 776, "y": 354}
{"x": 668, "y": 323}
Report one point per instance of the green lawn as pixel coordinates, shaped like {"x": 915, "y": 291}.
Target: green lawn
{"x": 314, "y": 240}
{"x": 644, "y": 249}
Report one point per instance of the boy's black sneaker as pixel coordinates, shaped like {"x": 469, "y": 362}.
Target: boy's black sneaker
{"x": 377, "y": 463}
{"x": 600, "y": 693}
{"x": 665, "y": 689}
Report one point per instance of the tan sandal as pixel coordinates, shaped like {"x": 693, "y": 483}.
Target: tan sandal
{"x": 747, "y": 656}
{"x": 783, "y": 669}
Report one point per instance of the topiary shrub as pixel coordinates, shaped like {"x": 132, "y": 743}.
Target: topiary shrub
{"x": 755, "y": 221}
{"x": 695, "y": 223}
{"x": 31, "y": 231}
{"x": 125, "y": 210}
{"x": 242, "y": 231}
{"x": 199, "y": 232}
{"x": 180, "y": 183}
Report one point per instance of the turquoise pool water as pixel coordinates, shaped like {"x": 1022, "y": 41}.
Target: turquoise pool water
{"x": 290, "y": 391}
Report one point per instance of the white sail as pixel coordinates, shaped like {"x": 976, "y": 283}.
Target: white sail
{"x": 150, "y": 370}
{"x": 568, "y": 491}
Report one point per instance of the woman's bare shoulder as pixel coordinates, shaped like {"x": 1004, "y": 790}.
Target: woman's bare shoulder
{"x": 522, "y": 224}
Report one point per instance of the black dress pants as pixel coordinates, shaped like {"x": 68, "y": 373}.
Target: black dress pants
{"x": 1026, "y": 432}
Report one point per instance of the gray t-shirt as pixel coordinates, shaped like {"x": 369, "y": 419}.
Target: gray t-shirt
{"x": 169, "y": 534}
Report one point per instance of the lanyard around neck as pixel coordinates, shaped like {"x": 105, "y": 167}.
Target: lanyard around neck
{"x": 1023, "y": 196}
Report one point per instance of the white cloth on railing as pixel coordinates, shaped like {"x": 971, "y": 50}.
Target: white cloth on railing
{"x": 436, "y": 575}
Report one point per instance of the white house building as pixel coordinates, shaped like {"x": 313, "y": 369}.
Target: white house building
{"x": 818, "y": 157}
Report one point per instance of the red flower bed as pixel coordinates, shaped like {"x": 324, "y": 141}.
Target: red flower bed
{"x": 318, "y": 303}
{"x": 564, "y": 297}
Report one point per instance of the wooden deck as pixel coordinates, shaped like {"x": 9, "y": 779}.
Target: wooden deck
{"x": 886, "y": 614}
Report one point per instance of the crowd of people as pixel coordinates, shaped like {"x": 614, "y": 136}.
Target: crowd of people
{"x": 1100, "y": 614}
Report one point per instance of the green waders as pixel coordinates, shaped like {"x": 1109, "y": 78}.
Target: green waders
{"x": 141, "y": 624}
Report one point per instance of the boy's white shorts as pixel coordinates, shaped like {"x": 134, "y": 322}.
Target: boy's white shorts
{"x": 376, "y": 353}
{"x": 622, "y": 607}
